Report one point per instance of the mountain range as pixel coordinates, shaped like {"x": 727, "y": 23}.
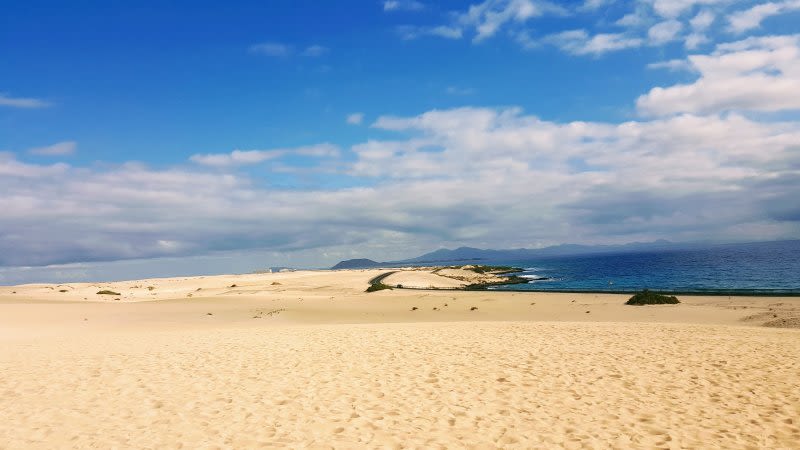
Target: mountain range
{"x": 467, "y": 254}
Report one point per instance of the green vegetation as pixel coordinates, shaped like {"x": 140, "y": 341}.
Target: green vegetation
{"x": 378, "y": 287}
{"x": 107, "y": 292}
{"x": 376, "y": 284}
{"x": 651, "y": 298}
{"x": 497, "y": 270}
{"x": 508, "y": 280}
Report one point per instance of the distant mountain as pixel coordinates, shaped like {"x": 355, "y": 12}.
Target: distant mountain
{"x": 468, "y": 254}
{"x": 459, "y": 254}
{"x": 471, "y": 254}
{"x": 361, "y": 263}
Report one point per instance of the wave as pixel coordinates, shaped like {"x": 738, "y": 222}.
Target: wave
{"x": 535, "y": 277}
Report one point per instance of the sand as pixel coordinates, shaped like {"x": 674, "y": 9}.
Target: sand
{"x": 314, "y": 362}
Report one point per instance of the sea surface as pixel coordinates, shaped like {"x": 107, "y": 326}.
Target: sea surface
{"x": 753, "y": 268}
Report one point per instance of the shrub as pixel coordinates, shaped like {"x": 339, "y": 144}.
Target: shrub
{"x": 651, "y": 298}
{"x": 107, "y": 292}
{"x": 377, "y": 287}
{"x": 497, "y": 270}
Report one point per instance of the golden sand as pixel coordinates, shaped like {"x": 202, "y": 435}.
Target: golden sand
{"x": 307, "y": 359}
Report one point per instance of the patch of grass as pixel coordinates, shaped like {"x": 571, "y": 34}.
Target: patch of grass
{"x": 497, "y": 270}
{"x": 376, "y": 284}
{"x": 378, "y": 287}
{"x": 107, "y": 292}
{"x": 150, "y": 288}
{"x": 63, "y": 290}
{"x": 507, "y": 280}
{"x": 651, "y": 298}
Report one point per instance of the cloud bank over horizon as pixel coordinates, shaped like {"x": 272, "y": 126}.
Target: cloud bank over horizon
{"x": 712, "y": 153}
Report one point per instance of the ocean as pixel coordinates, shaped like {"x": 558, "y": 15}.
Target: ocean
{"x": 766, "y": 268}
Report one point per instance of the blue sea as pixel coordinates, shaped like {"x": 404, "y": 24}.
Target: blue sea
{"x": 753, "y": 268}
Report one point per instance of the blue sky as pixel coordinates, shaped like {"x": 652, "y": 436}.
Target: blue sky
{"x": 204, "y": 138}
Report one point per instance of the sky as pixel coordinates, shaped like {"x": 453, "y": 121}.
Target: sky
{"x": 176, "y": 138}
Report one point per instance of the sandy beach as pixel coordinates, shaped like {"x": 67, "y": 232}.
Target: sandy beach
{"x": 309, "y": 360}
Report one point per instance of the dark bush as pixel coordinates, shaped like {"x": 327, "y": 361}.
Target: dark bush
{"x": 377, "y": 287}
{"x": 651, "y": 298}
{"x": 107, "y": 292}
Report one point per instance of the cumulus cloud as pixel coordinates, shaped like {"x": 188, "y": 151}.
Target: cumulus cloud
{"x": 488, "y": 17}
{"x": 675, "y": 8}
{"x": 699, "y": 24}
{"x": 580, "y": 42}
{"x": 757, "y": 73}
{"x": 478, "y": 176}
{"x": 748, "y": 19}
{"x": 674, "y": 65}
{"x": 22, "y": 102}
{"x": 248, "y": 157}
{"x": 664, "y": 32}
{"x": 485, "y": 19}
{"x": 652, "y": 22}
{"x": 58, "y": 149}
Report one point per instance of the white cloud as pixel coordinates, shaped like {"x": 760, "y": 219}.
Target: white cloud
{"x": 409, "y": 32}
{"x": 271, "y": 49}
{"x": 593, "y": 5}
{"x": 651, "y": 22}
{"x": 632, "y": 20}
{"x": 21, "y": 102}
{"x": 444, "y": 179}
{"x": 674, "y": 65}
{"x": 57, "y": 149}
{"x": 579, "y": 42}
{"x": 702, "y": 20}
{"x": 748, "y": 19}
{"x": 485, "y": 19}
{"x": 249, "y": 157}
{"x": 675, "y": 8}
{"x": 355, "y": 118}
{"x": 757, "y": 74}
{"x": 664, "y": 32}
{"x": 403, "y": 5}
{"x": 694, "y": 40}
{"x": 315, "y": 50}
{"x": 488, "y": 17}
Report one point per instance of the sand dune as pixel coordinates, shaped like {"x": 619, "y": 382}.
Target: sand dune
{"x": 315, "y": 362}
